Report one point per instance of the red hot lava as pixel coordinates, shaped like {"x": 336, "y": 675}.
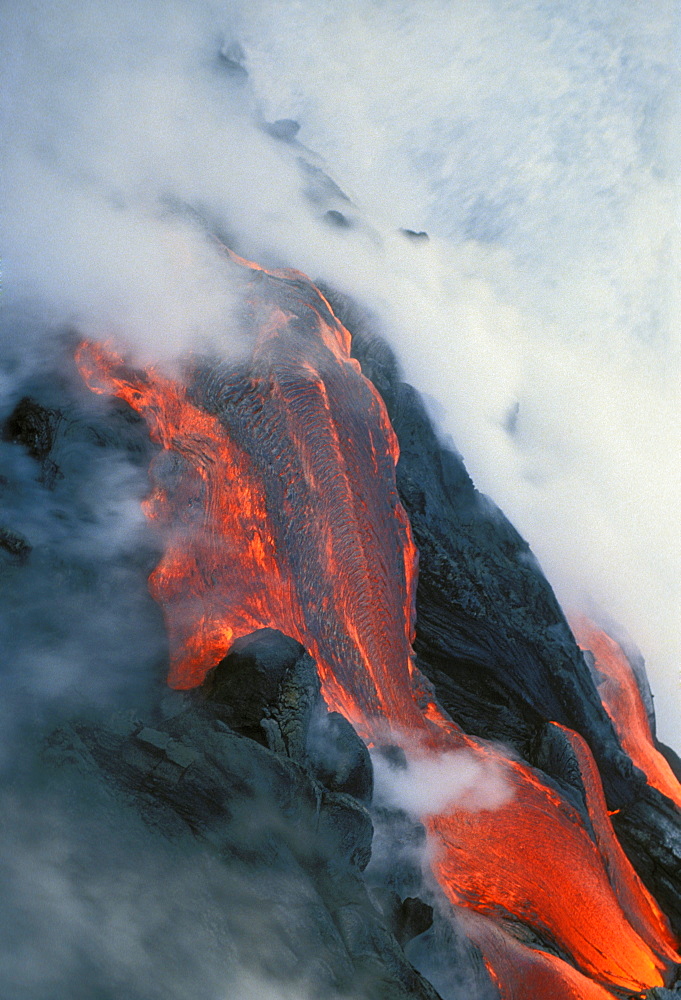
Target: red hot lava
{"x": 623, "y": 702}
{"x": 276, "y": 488}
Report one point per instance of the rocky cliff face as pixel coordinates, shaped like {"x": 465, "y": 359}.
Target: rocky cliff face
{"x": 492, "y": 638}
{"x": 281, "y": 811}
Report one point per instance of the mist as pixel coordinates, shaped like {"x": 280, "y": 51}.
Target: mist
{"x": 101, "y": 906}
{"x": 537, "y": 145}
{"x": 430, "y": 784}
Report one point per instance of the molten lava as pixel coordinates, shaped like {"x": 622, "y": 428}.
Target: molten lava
{"x": 275, "y": 487}
{"x": 621, "y": 697}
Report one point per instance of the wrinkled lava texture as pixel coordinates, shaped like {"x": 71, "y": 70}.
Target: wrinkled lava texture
{"x": 276, "y": 491}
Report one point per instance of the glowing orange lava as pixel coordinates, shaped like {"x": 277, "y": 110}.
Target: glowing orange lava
{"x": 521, "y": 973}
{"x": 275, "y": 488}
{"x": 622, "y": 701}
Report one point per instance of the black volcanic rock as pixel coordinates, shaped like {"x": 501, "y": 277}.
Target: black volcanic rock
{"x": 671, "y": 757}
{"x": 553, "y": 754}
{"x": 650, "y": 833}
{"x": 415, "y": 917}
{"x": 486, "y": 617}
{"x": 14, "y": 544}
{"x": 490, "y": 633}
{"x": 296, "y": 848}
{"x": 338, "y": 757}
{"x": 36, "y": 427}
{"x": 407, "y": 917}
{"x": 267, "y": 688}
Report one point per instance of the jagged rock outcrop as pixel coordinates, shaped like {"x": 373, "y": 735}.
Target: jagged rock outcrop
{"x": 267, "y": 688}
{"x": 36, "y": 427}
{"x": 302, "y": 844}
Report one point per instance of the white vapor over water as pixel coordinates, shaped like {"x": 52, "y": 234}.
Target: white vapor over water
{"x": 536, "y": 141}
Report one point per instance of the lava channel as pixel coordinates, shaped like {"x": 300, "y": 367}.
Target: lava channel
{"x": 275, "y": 490}
{"x": 622, "y": 700}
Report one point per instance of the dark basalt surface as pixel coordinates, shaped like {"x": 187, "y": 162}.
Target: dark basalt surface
{"x": 489, "y": 631}
{"x": 296, "y": 845}
{"x": 650, "y": 832}
{"x": 255, "y": 778}
{"x": 490, "y": 634}
{"x": 267, "y": 688}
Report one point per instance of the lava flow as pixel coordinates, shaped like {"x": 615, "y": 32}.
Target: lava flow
{"x": 621, "y": 697}
{"x": 275, "y": 485}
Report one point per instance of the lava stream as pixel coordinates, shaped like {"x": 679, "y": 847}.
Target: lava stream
{"x": 622, "y": 701}
{"x": 275, "y": 486}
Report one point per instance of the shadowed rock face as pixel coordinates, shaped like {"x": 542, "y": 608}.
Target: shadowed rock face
{"x": 295, "y": 846}
{"x": 489, "y": 631}
{"x": 267, "y": 687}
{"x": 491, "y": 636}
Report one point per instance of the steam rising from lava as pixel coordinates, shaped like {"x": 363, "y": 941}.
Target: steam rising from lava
{"x": 284, "y": 513}
{"x": 434, "y": 783}
{"x": 537, "y": 146}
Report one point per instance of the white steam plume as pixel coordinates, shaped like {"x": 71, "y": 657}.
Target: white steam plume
{"x": 431, "y": 784}
{"x": 536, "y": 142}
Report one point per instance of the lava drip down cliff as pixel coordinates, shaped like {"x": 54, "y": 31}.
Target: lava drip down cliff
{"x": 275, "y": 485}
{"x": 621, "y": 695}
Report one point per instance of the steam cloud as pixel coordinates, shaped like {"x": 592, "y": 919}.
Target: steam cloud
{"x": 99, "y": 906}
{"x": 432, "y": 784}
{"x": 537, "y": 146}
